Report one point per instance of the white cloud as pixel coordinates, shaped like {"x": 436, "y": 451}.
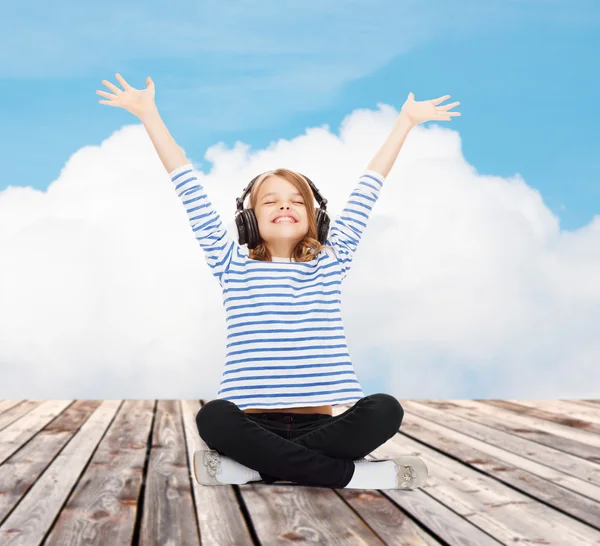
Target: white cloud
{"x": 464, "y": 285}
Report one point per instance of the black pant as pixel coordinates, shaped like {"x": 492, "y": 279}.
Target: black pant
{"x": 310, "y": 449}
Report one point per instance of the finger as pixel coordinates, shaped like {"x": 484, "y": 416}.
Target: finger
{"x": 440, "y": 99}
{"x": 122, "y": 80}
{"x": 448, "y": 106}
{"x": 107, "y": 95}
{"x": 108, "y": 102}
{"x": 454, "y": 113}
{"x": 111, "y": 86}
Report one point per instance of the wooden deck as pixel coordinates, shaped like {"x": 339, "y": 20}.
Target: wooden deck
{"x": 117, "y": 472}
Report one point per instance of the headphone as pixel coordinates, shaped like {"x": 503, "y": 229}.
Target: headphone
{"x": 247, "y": 225}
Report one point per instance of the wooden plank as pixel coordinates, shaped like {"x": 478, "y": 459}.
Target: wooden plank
{"x": 473, "y": 444}
{"x": 504, "y": 513}
{"x": 564, "y": 410}
{"x": 583, "y": 443}
{"x": 590, "y": 403}
{"x": 218, "y": 511}
{"x": 168, "y": 514}
{"x": 32, "y": 518}
{"x": 569, "y": 464}
{"x": 102, "y": 508}
{"x": 390, "y": 523}
{"x": 7, "y": 404}
{"x": 22, "y": 430}
{"x": 437, "y": 519}
{"x": 299, "y": 514}
{"x": 567, "y": 426}
{"x": 21, "y": 470}
{"x": 458, "y": 504}
{"x": 16, "y": 411}
{"x": 569, "y": 423}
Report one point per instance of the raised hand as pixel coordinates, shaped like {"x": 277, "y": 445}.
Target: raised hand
{"x": 428, "y": 110}
{"x": 136, "y": 101}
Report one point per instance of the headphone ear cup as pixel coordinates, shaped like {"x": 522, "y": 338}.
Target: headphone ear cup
{"x": 241, "y": 228}
{"x": 322, "y": 225}
{"x": 252, "y": 224}
{"x": 247, "y": 228}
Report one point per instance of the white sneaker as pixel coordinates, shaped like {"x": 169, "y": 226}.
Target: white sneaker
{"x": 206, "y": 465}
{"x": 411, "y": 471}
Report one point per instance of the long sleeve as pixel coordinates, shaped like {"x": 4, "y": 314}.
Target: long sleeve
{"x": 211, "y": 234}
{"x": 346, "y": 230}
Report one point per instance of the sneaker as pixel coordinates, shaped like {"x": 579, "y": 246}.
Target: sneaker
{"x": 411, "y": 471}
{"x": 206, "y": 465}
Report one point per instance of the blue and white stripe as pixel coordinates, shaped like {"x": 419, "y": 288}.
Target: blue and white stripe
{"x": 286, "y": 345}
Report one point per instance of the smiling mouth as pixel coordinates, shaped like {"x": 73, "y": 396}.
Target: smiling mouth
{"x": 289, "y": 221}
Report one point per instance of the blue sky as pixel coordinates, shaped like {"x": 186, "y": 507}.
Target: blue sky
{"x": 483, "y": 294}
{"x": 261, "y": 71}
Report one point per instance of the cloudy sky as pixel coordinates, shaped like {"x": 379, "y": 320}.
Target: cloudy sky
{"x": 478, "y": 275}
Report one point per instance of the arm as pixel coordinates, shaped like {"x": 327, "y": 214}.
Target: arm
{"x": 347, "y": 229}
{"x": 212, "y": 236}
{"x": 168, "y": 151}
{"x": 209, "y": 231}
{"x": 206, "y": 223}
{"x": 412, "y": 113}
{"x": 386, "y": 157}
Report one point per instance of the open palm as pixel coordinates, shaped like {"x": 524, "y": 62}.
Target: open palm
{"x": 135, "y": 101}
{"x": 428, "y": 110}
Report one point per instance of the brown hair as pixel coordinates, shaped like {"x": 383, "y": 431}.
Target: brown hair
{"x": 309, "y": 246}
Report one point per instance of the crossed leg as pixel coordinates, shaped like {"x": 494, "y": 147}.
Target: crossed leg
{"x": 321, "y": 457}
{"x": 368, "y": 424}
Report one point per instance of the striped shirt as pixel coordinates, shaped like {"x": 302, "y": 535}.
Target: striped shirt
{"x": 286, "y": 345}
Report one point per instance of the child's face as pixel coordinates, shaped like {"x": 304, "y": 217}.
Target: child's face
{"x": 278, "y": 197}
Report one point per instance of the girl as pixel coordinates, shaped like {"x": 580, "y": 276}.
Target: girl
{"x": 287, "y": 361}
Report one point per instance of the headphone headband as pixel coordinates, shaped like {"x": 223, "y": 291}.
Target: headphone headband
{"x": 320, "y": 199}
